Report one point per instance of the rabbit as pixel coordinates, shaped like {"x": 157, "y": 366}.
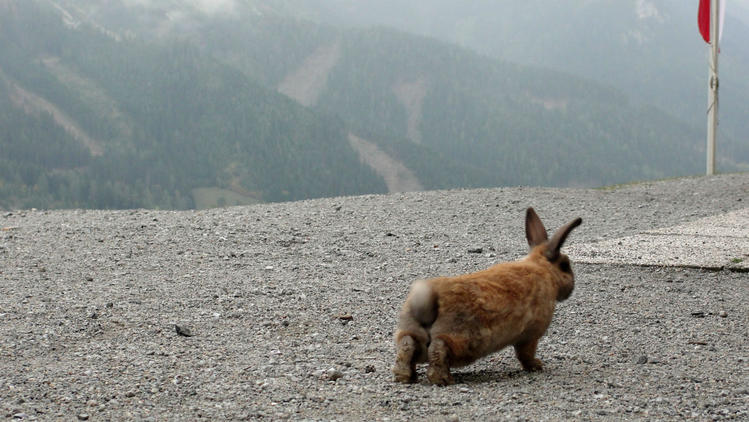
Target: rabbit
{"x": 453, "y": 321}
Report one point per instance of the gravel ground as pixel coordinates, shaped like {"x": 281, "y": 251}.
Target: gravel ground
{"x": 287, "y": 310}
{"x": 717, "y": 242}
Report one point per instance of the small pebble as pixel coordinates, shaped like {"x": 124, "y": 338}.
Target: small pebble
{"x": 183, "y": 331}
{"x": 333, "y": 374}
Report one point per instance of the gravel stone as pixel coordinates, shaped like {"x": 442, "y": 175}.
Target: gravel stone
{"x": 183, "y": 331}
{"x": 258, "y": 267}
{"x": 333, "y": 374}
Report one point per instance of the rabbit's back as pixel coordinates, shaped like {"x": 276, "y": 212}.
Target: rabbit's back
{"x": 483, "y": 312}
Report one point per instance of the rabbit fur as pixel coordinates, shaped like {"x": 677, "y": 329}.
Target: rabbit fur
{"x": 453, "y": 321}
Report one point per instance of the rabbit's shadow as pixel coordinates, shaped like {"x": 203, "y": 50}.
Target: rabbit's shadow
{"x": 484, "y": 376}
{"x": 488, "y": 375}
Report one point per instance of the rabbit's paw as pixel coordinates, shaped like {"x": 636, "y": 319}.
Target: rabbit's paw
{"x": 533, "y": 365}
{"x": 404, "y": 375}
{"x": 440, "y": 376}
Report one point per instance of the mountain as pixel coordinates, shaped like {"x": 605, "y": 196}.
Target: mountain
{"x": 648, "y": 49}
{"x": 152, "y": 125}
{"x": 505, "y": 124}
{"x": 177, "y": 104}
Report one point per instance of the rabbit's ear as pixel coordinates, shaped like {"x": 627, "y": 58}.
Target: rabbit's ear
{"x": 556, "y": 242}
{"x": 535, "y": 232}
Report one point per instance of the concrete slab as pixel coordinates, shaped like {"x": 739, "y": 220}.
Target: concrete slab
{"x": 716, "y": 242}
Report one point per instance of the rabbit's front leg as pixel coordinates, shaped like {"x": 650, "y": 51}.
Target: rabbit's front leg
{"x": 526, "y": 353}
{"x": 439, "y": 367}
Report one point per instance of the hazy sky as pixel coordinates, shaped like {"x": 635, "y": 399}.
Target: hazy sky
{"x": 213, "y": 6}
{"x": 207, "y": 6}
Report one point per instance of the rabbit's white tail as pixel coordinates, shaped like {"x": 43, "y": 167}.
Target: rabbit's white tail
{"x": 423, "y": 303}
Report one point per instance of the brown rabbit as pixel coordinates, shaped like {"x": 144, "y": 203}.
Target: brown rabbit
{"x": 453, "y": 321}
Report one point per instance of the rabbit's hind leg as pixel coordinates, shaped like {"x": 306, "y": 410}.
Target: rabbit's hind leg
{"x": 439, "y": 365}
{"x": 405, "y": 360}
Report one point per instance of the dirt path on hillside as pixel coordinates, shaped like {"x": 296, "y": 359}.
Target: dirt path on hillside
{"x": 307, "y": 82}
{"x": 33, "y": 103}
{"x": 92, "y": 93}
{"x": 398, "y": 177}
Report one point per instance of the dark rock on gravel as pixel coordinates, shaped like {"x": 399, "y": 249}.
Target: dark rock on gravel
{"x": 183, "y": 331}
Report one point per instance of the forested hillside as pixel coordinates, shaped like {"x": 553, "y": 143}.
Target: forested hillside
{"x": 649, "y": 49}
{"x": 438, "y": 107}
{"x": 168, "y": 119}
{"x": 522, "y": 125}
{"x": 123, "y": 104}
